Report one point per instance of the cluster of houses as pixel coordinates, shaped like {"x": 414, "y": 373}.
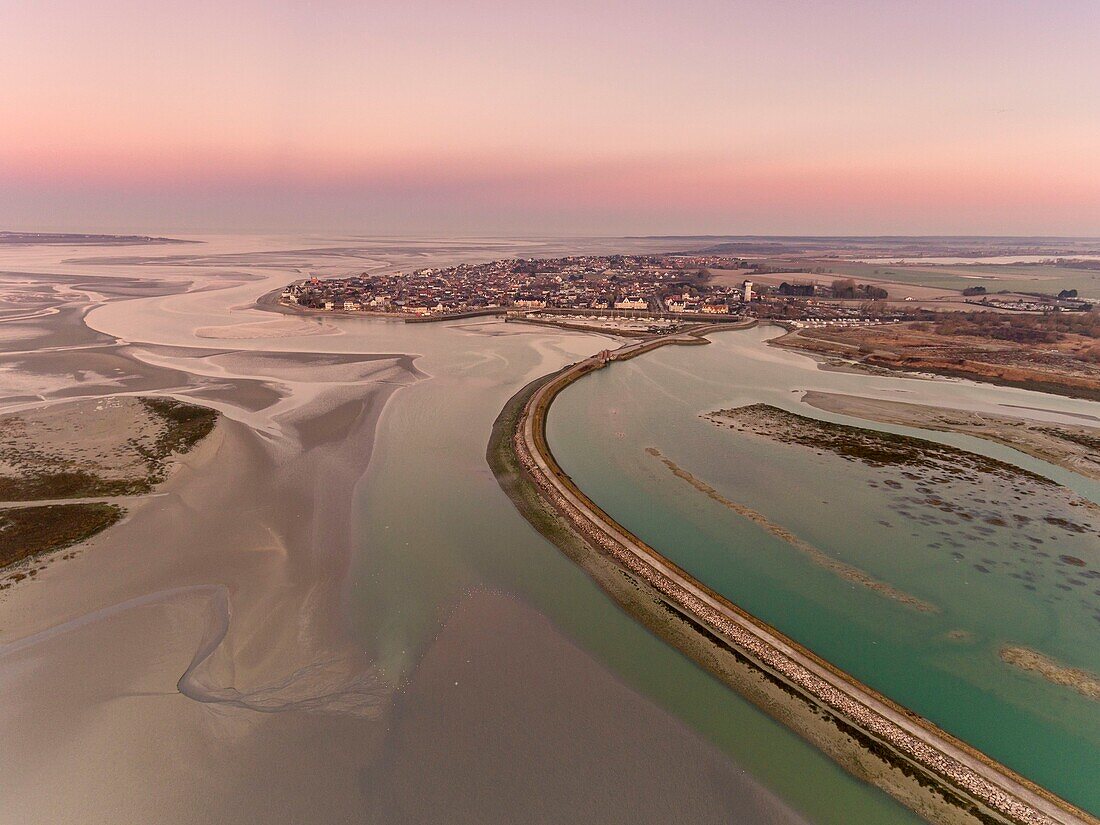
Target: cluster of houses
{"x": 641, "y": 283}
{"x": 1034, "y": 304}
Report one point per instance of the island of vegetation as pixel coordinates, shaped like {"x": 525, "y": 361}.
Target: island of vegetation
{"x": 871, "y": 447}
{"x": 968, "y": 498}
{"x": 67, "y": 470}
{"x": 938, "y": 776}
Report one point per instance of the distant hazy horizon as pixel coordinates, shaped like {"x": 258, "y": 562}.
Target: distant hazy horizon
{"x": 198, "y": 235}
{"x": 494, "y": 118}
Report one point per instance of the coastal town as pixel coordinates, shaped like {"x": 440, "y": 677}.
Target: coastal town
{"x": 638, "y": 283}
{"x": 651, "y": 292}
{"x": 642, "y": 293}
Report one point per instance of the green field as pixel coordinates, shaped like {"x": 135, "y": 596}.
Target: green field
{"x": 1013, "y": 277}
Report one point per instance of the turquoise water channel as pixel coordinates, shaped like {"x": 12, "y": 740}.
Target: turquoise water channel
{"x": 1004, "y": 562}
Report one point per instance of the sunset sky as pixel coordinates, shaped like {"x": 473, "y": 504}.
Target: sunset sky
{"x": 443, "y": 116}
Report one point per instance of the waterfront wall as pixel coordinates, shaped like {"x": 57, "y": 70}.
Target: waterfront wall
{"x": 453, "y": 316}
{"x": 638, "y": 313}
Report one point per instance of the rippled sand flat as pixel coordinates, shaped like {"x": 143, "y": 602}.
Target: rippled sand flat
{"x": 262, "y": 640}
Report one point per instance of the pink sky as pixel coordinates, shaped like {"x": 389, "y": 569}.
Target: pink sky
{"x": 524, "y": 117}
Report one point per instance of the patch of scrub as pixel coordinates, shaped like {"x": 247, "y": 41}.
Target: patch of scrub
{"x": 182, "y": 427}
{"x": 815, "y": 554}
{"x": 28, "y": 531}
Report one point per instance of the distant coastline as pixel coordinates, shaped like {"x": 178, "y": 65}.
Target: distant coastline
{"x": 82, "y": 239}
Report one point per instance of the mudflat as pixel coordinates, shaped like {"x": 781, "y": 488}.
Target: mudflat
{"x": 214, "y": 612}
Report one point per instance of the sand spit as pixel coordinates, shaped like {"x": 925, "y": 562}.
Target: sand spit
{"x": 107, "y": 447}
{"x": 1076, "y": 448}
{"x": 939, "y": 777}
{"x": 871, "y": 447}
{"x": 1084, "y": 682}
{"x": 83, "y": 239}
{"x": 818, "y": 556}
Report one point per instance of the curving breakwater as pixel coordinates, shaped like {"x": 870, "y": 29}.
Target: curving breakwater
{"x": 938, "y": 776}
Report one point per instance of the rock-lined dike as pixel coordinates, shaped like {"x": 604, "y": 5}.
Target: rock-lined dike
{"x": 939, "y": 777}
